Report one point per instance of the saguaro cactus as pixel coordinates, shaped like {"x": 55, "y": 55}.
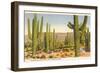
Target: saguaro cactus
{"x": 77, "y": 29}
{"x": 49, "y": 34}
{"x": 47, "y": 39}
{"x": 50, "y": 39}
{"x": 41, "y": 34}
{"x": 69, "y": 40}
{"x": 41, "y": 26}
{"x": 38, "y": 29}
{"x": 83, "y": 30}
{"x": 34, "y": 34}
{"x": 54, "y": 39}
{"x": 29, "y": 30}
{"x": 87, "y": 40}
{"x": 76, "y": 35}
{"x": 38, "y": 36}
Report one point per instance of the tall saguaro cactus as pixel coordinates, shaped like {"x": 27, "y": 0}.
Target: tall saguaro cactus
{"x": 76, "y": 35}
{"x": 34, "y": 34}
{"x": 47, "y": 39}
{"x": 77, "y": 29}
{"x": 41, "y": 33}
{"x": 38, "y": 36}
{"x": 49, "y": 36}
{"x": 54, "y": 39}
{"x": 29, "y": 30}
{"x": 50, "y": 39}
{"x": 38, "y": 29}
{"x": 41, "y": 26}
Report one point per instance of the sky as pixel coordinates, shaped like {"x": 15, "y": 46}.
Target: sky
{"x": 57, "y": 21}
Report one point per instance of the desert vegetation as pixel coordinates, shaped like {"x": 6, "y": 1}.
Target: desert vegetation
{"x": 51, "y": 45}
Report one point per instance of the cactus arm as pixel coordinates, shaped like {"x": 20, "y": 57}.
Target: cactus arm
{"x": 83, "y": 29}
{"x": 85, "y": 20}
{"x": 70, "y": 25}
{"x": 83, "y": 26}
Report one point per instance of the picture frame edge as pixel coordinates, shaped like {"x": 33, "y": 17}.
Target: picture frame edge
{"x": 14, "y": 36}
{"x": 14, "y": 41}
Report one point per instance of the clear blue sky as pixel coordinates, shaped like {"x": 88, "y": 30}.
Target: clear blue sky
{"x": 57, "y": 21}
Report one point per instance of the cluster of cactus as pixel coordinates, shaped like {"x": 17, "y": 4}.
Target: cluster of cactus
{"x": 69, "y": 41}
{"x": 37, "y": 33}
{"x": 49, "y": 39}
{"x": 79, "y": 33}
{"x": 37, "y": 36}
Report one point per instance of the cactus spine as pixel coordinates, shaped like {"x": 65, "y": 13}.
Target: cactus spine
{"x": 34, "y": 34}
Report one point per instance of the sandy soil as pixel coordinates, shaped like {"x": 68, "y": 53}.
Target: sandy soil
{"x": 53, "y": 55}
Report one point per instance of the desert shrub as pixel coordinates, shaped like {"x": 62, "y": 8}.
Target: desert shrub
{"x": 51, "y": 56}
{"x": 28, "y": 43}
